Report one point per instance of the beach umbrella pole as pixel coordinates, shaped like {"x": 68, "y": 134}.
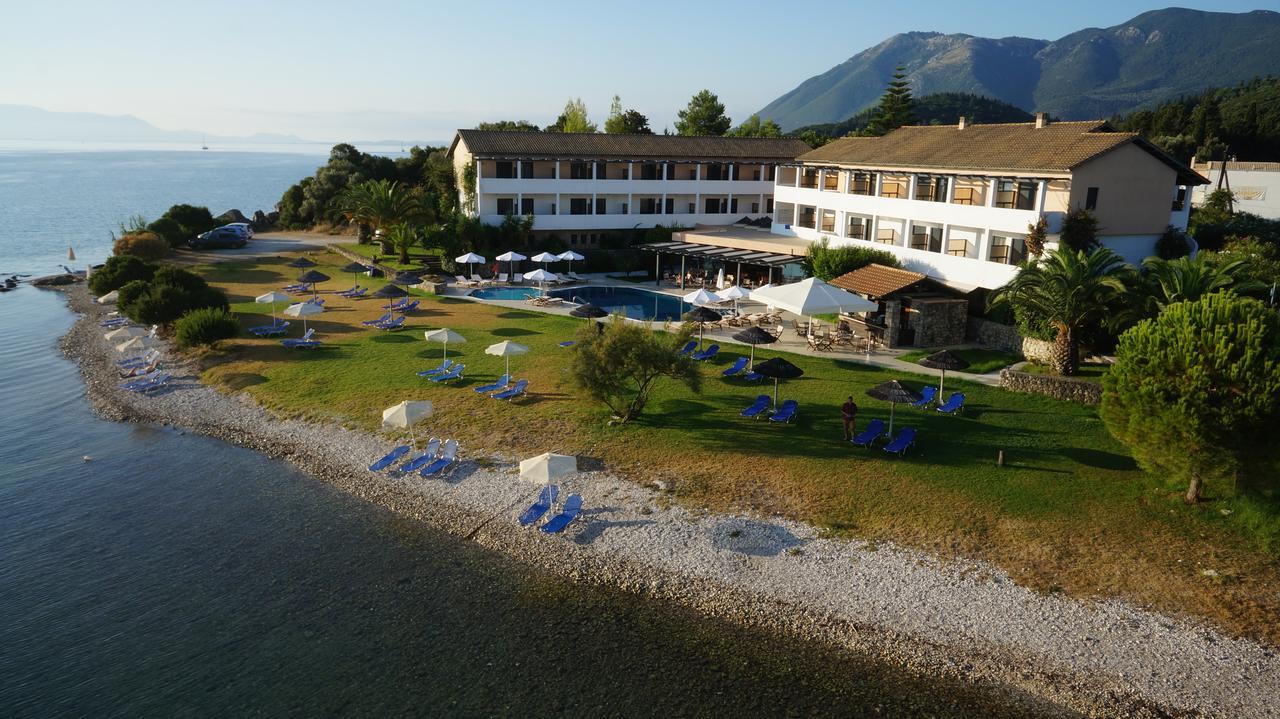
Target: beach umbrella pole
{"x": 775, "y": 392}
{"x": 892, "y": 406}
{"x": 942, "y": 383}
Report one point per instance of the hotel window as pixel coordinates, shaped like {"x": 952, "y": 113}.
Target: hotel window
{"x": 808, "y": 217}
{"x": 887, "y": 236}
{"x": 931, "y": 189}
{"x": 580, "y": 170}
{"x": 755, "y": 174}
{"x": 573, "y": 239}
{"x": 928, "y": 239}
{"x": 670, "y": 209}
{"x": 650, "y": 171}
{"x": 892, "y": 188}
{"x": 626, "y": 208}
{"x": 506, "y": 206}
{"x": 1016, "y": 195}
{"x": 715, "y": 171}
{"x": 1007, "y": 250}
{"x": 1091, "y": 199}
{"x": 733, "y": 206}
{"x": 601, "y": 206}
{"x": 526, "y": 169}
{"x": 964, "y": 196}
{"x": 958, "y": 247}
{"x": 504, "y": 170}
{"x": 526, "y": 205}
{"x": 768, "y": 206}
{"x": 828, "y": 221}
{"x": 648, "y": 206}
{"x": 809, "y": 178}
{"x": 755, "y": 208}
{"x": 579, "y": 206}
{"x": 1180, "y": 200}
{"x": 770, "y": 173}
{"x": 856, "y": 228}
{"x": 862, "y": 183}
{"x": 831, "y": 180}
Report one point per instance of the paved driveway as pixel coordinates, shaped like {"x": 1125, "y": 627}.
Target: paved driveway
{"x": 265, "y": 244}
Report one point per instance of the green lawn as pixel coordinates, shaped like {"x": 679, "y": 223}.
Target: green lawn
{"x": 981, "y": 361}
{"x": 1069, "y": 510}
{"x": 417, "y": 256}
{"x": 1084, "y": 371}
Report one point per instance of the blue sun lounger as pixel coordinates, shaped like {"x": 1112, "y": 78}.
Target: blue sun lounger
{"x": 786, "y": 412}
{"x": 689, "y": 347}
{"x": 541, "y": 506}
{"x": 954, "y": 404}
{"x": 148, "y": 382}
{"x": 455, "y": 372}
{"x": 390, "y": 458}
{"x": 868, "y": 436}
{"x": 352, "y": 290}
{"x": 752, "y": 376}
{"x": 444, "y": 367}
{"x": 927, "y": 395}
{"x": 446, "y": 458}
{"x": 305, "y": 341}
{"x": 425, "y": 457}
{"x": 498, "y": 386}
{"x": 380, "y": 320}
{"x": 516, "y": 390}
{"x": 738, "y": 365}
{"x": 707, "y": 354}
{"x": 409, "y": 307}
{"x": 392, "y": 325}
{"x": 572, "y": 508}
{"x": 356, "y": 294}
{"x": 269, "y": 330}
{"x": 755, "y": 410}
{"x": 905, "y": 440}
{"x": 568, "y": 343}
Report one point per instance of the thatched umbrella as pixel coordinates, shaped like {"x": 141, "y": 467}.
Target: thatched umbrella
{"x": 753, "y": 336}
{"x": 390, "y": 292}
{"x": 892, "y": 392}
{"x": 302, "y": 262}
{"x": 406, "y": 278}
{"x": 778, "y": 369}
{"x": 702, "y": 315}
{"x": 312, "y": 277}
{"x": 944, "y": 360}
{"x": 355, "y": 268}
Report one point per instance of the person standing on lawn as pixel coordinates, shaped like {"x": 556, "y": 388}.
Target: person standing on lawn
{"x": 849, "y": 411}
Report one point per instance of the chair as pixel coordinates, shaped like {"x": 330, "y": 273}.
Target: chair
{"x": 498, "y": 386}
{"x": 868, "y": 436}
{"x": 926, "y": 397}
{"x": 541, "y": 506}
{"x": 318, "y": 302}
{"x": 516, "y": 390}
{"x": 392, "y": 325}
{"x": 572, "y": 508}
{"x": 706, "y": 354}
{"x": 447, "y": 457}
{"x": 690, "y": 346}
{"x": 146, "y": 383}
{"x": 786, "y": 412}
{"x": 801, "y": 329}
{"x": 278, "y": 328}
{"x": 358, "y": 294}
{"x": 464, "y": 282}
{"x": 568, "y": 343}
{"x": 955, "y": 403}
{"x": 738, "y": 365}
{"x": 758, "y": 407}
{"x": 502, "y": 278}
{"x": 409, "y": 307}
{"x": 389, "y": 458}
{"x": 145, "y": 358}
{"x": 455, "y": 372}
{"x": 476, "y": 279}
{"x": 899, "y": 445}
{"x": 428, "y": 455}
{"x": 139, "y": 370}
{"x": 444, "y": 367}
{"x": 752, "y": 376}
{"x": 353, "y": 288}
{"x": 380, "y": 320}
{"x": 305, "y": 340}
{"x": 820, "y": 343}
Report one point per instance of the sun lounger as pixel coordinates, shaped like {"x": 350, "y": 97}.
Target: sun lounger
{"x": 114, "y": 322}
{"x": 516, "y": 390}
{"x": 927, "y": 396}
{"x": 738, "y": 365}
{"x": 498, "y": 386}
{"x": 380, "y": 320}
{"x": 344, "y": 293}
{"x": 392, "y": 325}
{"x": 751, "y": 376}
{"x": 455, "y": 372}
{"x": 868, "y": 436}
{"x": 305, "y": 340}
{"x": 954, "y": 404}
{"x": 446, "y": 458}
{"x": 423, "y": 458}
{"x": 390, "y": 458}
{"x": 409, "y": 307}
{"x": 900, "y": 444}
{"x": 397, "y": 304}
{"x": 572, "y": 508}
{"x": 541, "y": 506}
{"x": 568, "y": 343}
{"x": 758, "y": 407}
{"x": 139, "y": 370}
{"x": 145, "y": 384}
{"x": 315, "y": 301}
{"x": 269, "y": 330}
{"x": 294, "y": 288}
{"x": 444, "y": 367}
{"x": 707, "y": 354}
{"x": 145, "y": 358}
{"x": 690, "y": 346}
{"x": 356, "y": 294}
{"x": 786, "y": 412}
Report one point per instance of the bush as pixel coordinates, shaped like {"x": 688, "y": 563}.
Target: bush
{"x": 618, "y": 364}
{"x": 170, "y": 294}
{"x": 118, "y": 271}
{"x": 205, "y": 326}
{"x": 170, "y": 231}
{"x": 1172, "y": 244}
{"x": 144, "y": 245}
{"x": 827, "y": 263}
{"x": 193, "y": 220}
{"x": 1079, "y": 231}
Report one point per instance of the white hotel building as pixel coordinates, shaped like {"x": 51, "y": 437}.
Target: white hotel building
{"x": 954, "y": 202}
{"x": 581, "y": 185}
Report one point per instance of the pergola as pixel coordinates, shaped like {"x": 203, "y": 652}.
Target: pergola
{"x": 685, "y": 250}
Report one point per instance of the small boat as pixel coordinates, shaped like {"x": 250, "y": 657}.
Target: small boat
{"x": 203, "y": 145}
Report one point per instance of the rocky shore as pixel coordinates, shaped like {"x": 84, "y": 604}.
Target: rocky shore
{"x": 1051, "y": 655}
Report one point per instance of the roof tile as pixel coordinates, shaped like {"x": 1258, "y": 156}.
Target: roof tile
{"x": 498, "y": 143}
{"x": 877, "y": 280}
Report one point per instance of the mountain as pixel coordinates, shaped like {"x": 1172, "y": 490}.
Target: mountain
{"x": 1091, "y": 73}
{"x": 23, "y": 122}
{"x": 943, "y": 108}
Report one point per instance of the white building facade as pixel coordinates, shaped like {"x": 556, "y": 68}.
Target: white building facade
{"x": 1255, "y": 186}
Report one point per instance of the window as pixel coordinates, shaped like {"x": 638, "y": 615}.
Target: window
{"x": 573, "y": 239}
{"x": 856, "y": 227}
{"x": 768, "y": 206}
{"x": 892, "y": 189}
{"x": 1007, "y": 250}
{"x": 964, "y": 196}
{"x": 733, "y": 206}
{"x": 808, "y": 217}
{"x": 648, "y": 206}
{"x": 715, "y": 171}
{"x": 887, "y": 236}
{"x": 862, "y": 183}
{"x": 694, "y": 208}
{"x": 958, "y": 247}
{"x": 670, "y": 209}
{"x": 1180, "y": 200}
{"x": 526, "y": 169}
{"x": 931, "y": 189}
{"x": 601, "y": 206}
{"x": 928, "y": 239}
{"x": 831, "y": 180}
{"x": 755, "y": 208}
{"x": 579, "y": 205}
{"x": 626, "y": 209}
{"x": 755, "y": 175}
{"x": 1091, "y": 199}
{"x": 770, "y": 172}
{"x": 809, "y": 178}
{"x": 505, "y": 170}
{"x": 526, "y": 205}
{"x": 828, "y": 221}
{"x": 506, "y": 206}
{"x": 1015, "y": 195}
{"x": 650, "y": 171}
{"x": 580, "y": 170}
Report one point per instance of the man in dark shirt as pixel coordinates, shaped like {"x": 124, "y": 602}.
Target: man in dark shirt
{"x": 849, "y": 411}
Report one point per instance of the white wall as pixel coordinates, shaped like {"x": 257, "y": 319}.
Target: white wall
{"x": 1256, "y": 192}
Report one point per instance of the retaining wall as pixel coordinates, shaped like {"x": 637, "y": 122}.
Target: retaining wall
{"x": 1072, "y": 389}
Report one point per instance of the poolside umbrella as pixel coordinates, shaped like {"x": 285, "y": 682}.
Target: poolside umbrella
{"x": 893, "y": 393}
{"x": 513, "y": 257}
{"x": 444, "y": 336}
{"x": 569, "y": 256}
{"x": 109, "y": 298}
{"x": 124, "y": 333}
{"x": 303, "y": 310}
{"x": 753, "y": 336}
{"x": 506, "y": 349}
{"x": 812, "y": 297}
{"x": 390, "y": 292}
{"x": 547, "y": 466}
{"x": 469, "y": 259}
{"x": 778, "y": 369}
{"x": 312, "y": 277}
{"x": 701, "y": 315}
{"x": 302, "y": 262}
{"x": 406, "y": 278}
{"x": 272, "y": 298}
{"x": 944, "y": 360}
{"x": 540, "y": 276}
{"x": 136, "y": 344}
{"x": 405, "y": 415}
{"x": 701, "y": 297}
{"x": 735, "y": 293}
{"x": 355, "y": 268}
{"x": 544, "y": 258}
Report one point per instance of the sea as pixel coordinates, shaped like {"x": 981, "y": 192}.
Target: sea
{"x": 149, "y": 572}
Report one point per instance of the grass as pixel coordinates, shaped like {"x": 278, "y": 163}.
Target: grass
{"x": 981, "y": 361}
{"x": 1084, "y": 371}
{"x": 417, "y": 255}
{"x": 1069, "y": 511}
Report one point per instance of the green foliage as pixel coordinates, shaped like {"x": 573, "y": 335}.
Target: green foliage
{"x": 383, "y": 204}
{"x": 625, "y": 122}
{"x": 118, "y": 271}
{"x": 942, "y": 108}
{"x": 1214, "y": 223}
{"x": 704, "y": 115}
{"x": 574, "y": 118}
{"x": 1195, "y": 392}
{"x": 1244, "y": 119}
{"x": 827, "y": 263}
{"x": 205, "y": 326}
{"x": 170, "y": 293}
{"x": 509, "y": 126}
{"x": 1079, "y": 231}
{"x": 1037, "y": 233}
{"x": 141, "y": 244}
{"x": 1187, "y": 279}
{"x": 753, "y": 127}
{"x": 896, "y": 108}
{"x": 619, "y": 363}
{"x": 1172, "y": 244}
{"x": 192, "y": 220}
{"x": 1259, "y": 262}
{"x": 170, "y": 231}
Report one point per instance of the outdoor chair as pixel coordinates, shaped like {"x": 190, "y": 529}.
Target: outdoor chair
{"x": 392, "y": 325}
{"x": 498, "y": 386}
{"x": 422, "y": 459}
{"x": 144, "y": 358}
{"x": 502, "y": 278}
{"x": 389, "y": 458}
{"x": 689, "y": 347}
{"x": 462, "y": 281}
{"x": 302, "y": 341}
{"x": 409, "y": 307}
{"x": 278, "y": 328}
{"x": 955, "y": 403}
{"x": 541, "y": 506}
{"x": 905, "y": 440}
{"x": 786, "y": 412}
{"x": 572, "y": 508}
{"x": 868, "y": 436}
{"x": 927, "y": 396}
{"x": 820, "y": 343}
{"x": 455, "y": 372}
{"x": 738, "y": 365}
{"x": 516, "y": 390}
{"x": 380, "y": 320}
{"x": 758, "y": 407}
{"x": 706, "y": 354}
{"x": 445, "y": 365}
{"x": 448, "y": 456}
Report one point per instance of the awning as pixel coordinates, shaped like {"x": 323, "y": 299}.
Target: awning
{"x": 726, "y": 254}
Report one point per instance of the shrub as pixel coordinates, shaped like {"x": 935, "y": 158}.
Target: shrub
{"x": 1079, "y": 231}
{"x": 1172, "y": 244}
{"x": 1037, "y": 234}
{"x": 827, "y": 263}
{"x": 130, "y": 292}
{"x": 170, "y": 231}
{"x": 141, "y": 244}
{"x": 205, "y": 326}
{"x": 118, "y": 271}
{"x": 171, "y": 293}
{"x": 618, "y": 364}
{"x": 193, "y": 219}
{"x": 1195, "y": 391}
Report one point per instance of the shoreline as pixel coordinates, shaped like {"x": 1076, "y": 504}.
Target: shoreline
{"x": 904, "y": 607}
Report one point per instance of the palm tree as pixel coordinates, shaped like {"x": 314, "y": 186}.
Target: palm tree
{"x": 380, "y": 204}
{"x": 1071, "y": 290}
{"x": 1187, "y": 279}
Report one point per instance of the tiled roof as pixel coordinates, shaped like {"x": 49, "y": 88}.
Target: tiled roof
{"x": 506, "y": 144}
{"x": 1056, "y": 147}
{"x": 877, "y": 280}
{"x": 1237, "y": 165}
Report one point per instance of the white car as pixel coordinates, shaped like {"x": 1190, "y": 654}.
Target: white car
{"x": 244, "y": 228}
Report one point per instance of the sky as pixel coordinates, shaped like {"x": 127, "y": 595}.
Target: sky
{"x": 404, "y": 70}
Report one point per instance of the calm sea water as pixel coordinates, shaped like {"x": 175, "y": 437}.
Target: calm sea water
{"x": 174, "y": 575}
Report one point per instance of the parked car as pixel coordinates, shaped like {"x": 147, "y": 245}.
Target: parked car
{"x": 218, "y": 237}
{"x": 244, "y": 228}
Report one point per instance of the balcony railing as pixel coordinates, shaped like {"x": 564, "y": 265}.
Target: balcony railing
{"x": 887, "y": 237}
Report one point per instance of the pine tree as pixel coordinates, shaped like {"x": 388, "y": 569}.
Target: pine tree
{"x": 703, "y": 116}
{"x": 897, "y": 107}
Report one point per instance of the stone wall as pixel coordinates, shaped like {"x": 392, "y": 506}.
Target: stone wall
{"x": 939, "y": 322}
{"x": 994, "y": 335}
{"x": 1071, "y": 389}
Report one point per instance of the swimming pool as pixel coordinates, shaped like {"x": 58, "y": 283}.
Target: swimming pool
{"x": 632, "y": 302}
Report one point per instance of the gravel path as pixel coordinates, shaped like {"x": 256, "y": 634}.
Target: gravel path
{"x": 907, "y": 607}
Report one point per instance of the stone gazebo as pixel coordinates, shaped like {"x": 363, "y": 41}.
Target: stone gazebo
{"x": 915, "y": 310}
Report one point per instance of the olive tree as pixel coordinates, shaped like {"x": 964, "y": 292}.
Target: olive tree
{"x": 621, "y": 362}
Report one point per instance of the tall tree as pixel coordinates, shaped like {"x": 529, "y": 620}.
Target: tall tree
{"x": 573, "y": 119}
{"x": 703, "y": 116}
{"x": 753, "y": 127}
{"x": 896, "y": 108}
{"x": 510, "y": 126}
{"x": 380, "y": 204}
{"x": 1187, "y": 279}
{"x": 620, "y": 364}
{"x": 625, "y": 122}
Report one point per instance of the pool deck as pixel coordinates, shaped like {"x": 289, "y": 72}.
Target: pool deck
{"x": 789, "y": 342}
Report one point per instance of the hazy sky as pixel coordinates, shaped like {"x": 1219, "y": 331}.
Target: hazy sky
{"x": 381, "y": 69}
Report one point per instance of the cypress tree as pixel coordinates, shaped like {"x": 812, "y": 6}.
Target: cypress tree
{"x": 897, "y": 107}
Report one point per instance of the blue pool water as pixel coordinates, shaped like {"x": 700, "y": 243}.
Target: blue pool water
{"x": 632, "y": 302}
{"x": 504, "y": 293}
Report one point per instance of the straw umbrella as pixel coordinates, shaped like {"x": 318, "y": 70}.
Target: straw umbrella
{"x": 513, "y": 257}
{"x": 589, "y": 311}
{"x": 778, "y": 369}
{"x": 406, "y": 278}
{"x": 303, "y": 310}
{"x": 272, "y": 298}
{"x": 405, "y": 415}
{"x": 135, "y": 344}
{"x": 569, "y": 256}
{"x": 302, "y": 262}
{"x": 893, "y": 393}
{"x": 702, "y": 315}
{"x": 506, "y": 349}
{"x": 123, "y": 334}
{"x": 469, "y": 259}
{"x": 753, "y": 336}
{"x": 444, "y": 336}
{"x": 944, "y": 360}
{"x": 355, "y": 268}
{"x": 390, "y": 292}
{"x": 313, "y": 277}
